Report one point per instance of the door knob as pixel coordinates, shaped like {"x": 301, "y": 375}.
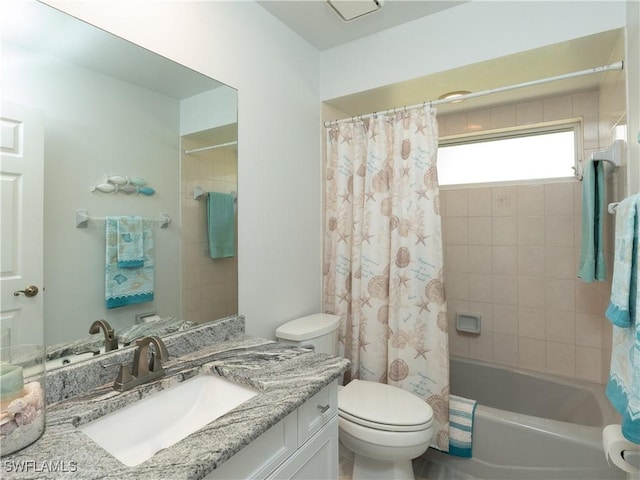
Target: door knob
{"x": 30, "y": 291}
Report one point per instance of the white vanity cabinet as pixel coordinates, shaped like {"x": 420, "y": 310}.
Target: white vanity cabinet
{"x": 304, "y": 445}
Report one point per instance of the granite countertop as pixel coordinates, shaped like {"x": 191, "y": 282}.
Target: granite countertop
{"x": 285, "y": 376}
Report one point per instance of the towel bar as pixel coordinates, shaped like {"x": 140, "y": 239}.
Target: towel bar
{"x": 83, "y": 218}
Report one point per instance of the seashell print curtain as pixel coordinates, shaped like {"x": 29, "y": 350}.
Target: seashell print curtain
{"x": 384, "y": 257}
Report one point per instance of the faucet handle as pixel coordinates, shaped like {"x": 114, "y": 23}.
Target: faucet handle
{"x": 124, "y": 377}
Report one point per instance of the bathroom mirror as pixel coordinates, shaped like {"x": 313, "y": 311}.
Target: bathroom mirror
{"x": 113, "y": 109}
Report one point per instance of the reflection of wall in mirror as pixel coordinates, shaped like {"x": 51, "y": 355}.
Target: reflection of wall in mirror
{"x": 210, "y": 286}
{"x": 96, "y": 125}
{"x": 209, "y": 119}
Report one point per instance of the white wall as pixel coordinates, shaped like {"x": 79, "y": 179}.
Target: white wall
{"x": 207, "y": 110}
{"x": 472, "y": 32}
{"x": 632, "y": 68}
{"x": 276, "y": 75}
{"x": 96, "y": 125}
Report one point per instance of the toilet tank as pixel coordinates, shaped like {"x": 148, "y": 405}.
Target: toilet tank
{"x": 319, "y": 330}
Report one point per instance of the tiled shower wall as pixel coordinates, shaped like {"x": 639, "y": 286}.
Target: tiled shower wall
{"x": 209, "y": 286}
{"x": 512, "y": 253}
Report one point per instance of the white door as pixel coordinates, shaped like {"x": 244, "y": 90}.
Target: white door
{"x": 21, "y": 207}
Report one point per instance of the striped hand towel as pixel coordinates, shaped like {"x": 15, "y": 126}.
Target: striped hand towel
{"x": 461, "y": 413}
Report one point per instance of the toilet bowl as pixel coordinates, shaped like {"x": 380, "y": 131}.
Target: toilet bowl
{"x": 384, "y": 426}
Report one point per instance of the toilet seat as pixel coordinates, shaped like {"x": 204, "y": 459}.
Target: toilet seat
{"x": 383, "y": 407}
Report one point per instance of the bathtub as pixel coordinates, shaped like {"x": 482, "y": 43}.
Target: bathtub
{"x": 531, "y": 426}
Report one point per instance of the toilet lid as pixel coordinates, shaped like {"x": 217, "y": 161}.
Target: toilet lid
{"x": 383, "y": 407}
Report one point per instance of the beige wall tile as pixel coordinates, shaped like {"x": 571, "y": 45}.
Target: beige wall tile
{"x": 480, "y": 287}
{"x": 527, "y": 113}
{"x": 561, "y": 326}
{"x": 531, "y": 261}
{"x": 456, "y": 203}
{"x": 479, "y": 202}
{"x": 524, "y": 242}
{"x": 531, "y": 354}
{"x": 457, "y": 285}
{"x": 456, "y": 258}
{"x": 481, "y": 346}
{"x": 458, "y": 343}
{"x": 558, "y": 231}
{"x": 503, "y": 201}
{"x": 531, "y": 231}
{"x": 485, "y": 310}
{"x": 531, "y": 292}
{"x": 589, "y": 298}
{"x": 480, "y": 230}
{"x": 558, "y": 199}
{"x": 531, "y": 323}
{"x": 479, "y": 120}
{"x": 561, "y": 295}
{"x": 560, "y": 262}
{"x": 588, "y": 363}
{"x": 505, "y": 289}
{"x": 588, "y": 330}
{"x": 585, "y": 103}
{"x": 505, "y": 260}
{"x": 457, "y": 231}
{"x": 504, "y": 230}
{"x": 479, "y": 258}
{"x": 505, "y": 349}
{"x": 505, "y": 319}
{"x": 557, "y": 108}
{"x": 531, "y": 200}
{"x": 502, "y": 117}
{"x": 561, "y": 359}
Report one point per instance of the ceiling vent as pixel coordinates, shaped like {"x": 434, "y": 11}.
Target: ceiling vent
{"x": 349, "y": 10}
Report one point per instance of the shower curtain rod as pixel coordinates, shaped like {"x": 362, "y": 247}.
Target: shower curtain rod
{"x": 604, "y": 68}
{"x": 210, "y": 147}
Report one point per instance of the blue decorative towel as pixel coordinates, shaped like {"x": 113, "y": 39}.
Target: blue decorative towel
{"x": 130, "y": 244}
{"x": 623, "y": 387}
{"x": 461, "y": 413}
{"x": 127, "y": 286}
{"x": 221, "y": 222}
{"x": 592, "y": 262}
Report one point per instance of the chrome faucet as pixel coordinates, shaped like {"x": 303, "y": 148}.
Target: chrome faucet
{"x": 110, "y": 339}
{"x": 145, "y": 367}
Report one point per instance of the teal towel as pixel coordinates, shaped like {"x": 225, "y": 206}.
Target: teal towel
{"x": 592, "y": 262}
{"x": 221, "y": 223}
{"x": 461, "y": 413}
{"x": 127, "y": 286}
{"x": 623, "y": 386}
{"x": 130, "y": 245}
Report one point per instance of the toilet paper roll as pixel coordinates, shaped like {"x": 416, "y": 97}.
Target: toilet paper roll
{"x": 615, "y": 444}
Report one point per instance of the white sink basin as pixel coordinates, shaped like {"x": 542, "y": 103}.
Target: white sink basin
{"x": 135, "y": 433}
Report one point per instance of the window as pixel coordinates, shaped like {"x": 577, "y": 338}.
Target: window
{"x": 515, "y": 156}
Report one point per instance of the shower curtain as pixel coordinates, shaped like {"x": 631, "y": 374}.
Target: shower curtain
{"x": 383, "y": 255}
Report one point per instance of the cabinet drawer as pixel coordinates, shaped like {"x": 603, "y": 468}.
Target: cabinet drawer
{"x": 261, "y": 456}
{"x": 317, "y": 459}
{"x": 317, "y": 411}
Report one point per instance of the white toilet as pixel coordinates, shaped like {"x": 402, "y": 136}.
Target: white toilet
{"x": 384, "y": 426}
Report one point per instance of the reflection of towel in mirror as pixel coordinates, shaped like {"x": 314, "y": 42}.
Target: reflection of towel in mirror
{"x": 623, "y": 387}
{"x": 127, "y": 286}
{"x": 130, "y": 244}
{"x": 221, "y": 224}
